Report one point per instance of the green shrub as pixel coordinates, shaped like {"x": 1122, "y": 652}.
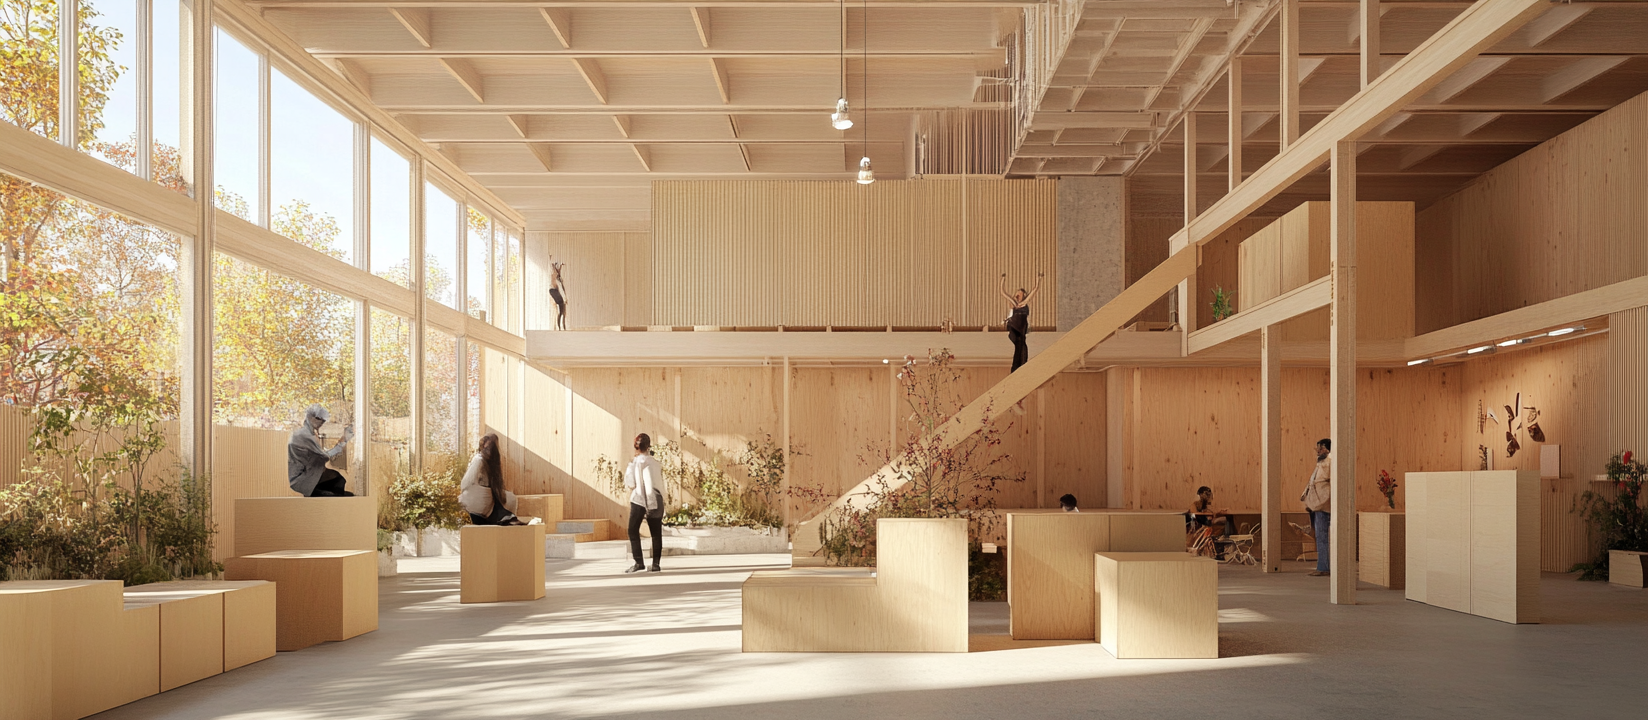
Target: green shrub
{"x": 427, "y": 499}
{"x": 1618, "y": 522}
{"x": 50, "y": 532}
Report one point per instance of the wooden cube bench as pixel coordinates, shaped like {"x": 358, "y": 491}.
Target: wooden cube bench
{"x": 914, "y": 600}
{"x": 1626, "y": 567}
{"x": 1050, "y": 565}
{"x": 299, "y": 523}
{"x": 1157, "y": 605}
{"x": 70, "y": 648}
{"x": 500, "y": 564}
{"x": 549, "y": 508}
{"x": 209, "y": 627}
{"x": 320, "y": 595}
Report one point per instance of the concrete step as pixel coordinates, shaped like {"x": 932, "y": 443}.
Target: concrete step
{"x": 589, "y": 530}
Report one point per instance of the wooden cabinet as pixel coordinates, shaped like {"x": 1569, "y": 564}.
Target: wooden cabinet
{"x": 1473, "y": 542}
{"x": 1050, "y": 564}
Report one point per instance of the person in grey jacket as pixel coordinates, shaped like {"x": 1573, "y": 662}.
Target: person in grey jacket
{"x": 306, "y": 469}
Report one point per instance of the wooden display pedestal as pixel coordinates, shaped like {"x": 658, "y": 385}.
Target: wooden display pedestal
{"x": 320, "y": 595}
{"x": 1382, "y": 552}
{"x": 500, "y": 564}
{"x": 549, "y": 508}
{"x": 1627, "y": 568}
{"x": 1157, "y": 605}
{"x": 69, "y": 648}
{"x": 209, "y": 627}
{"x": 914, "y": 600}
{"x": 1050, "y": 565}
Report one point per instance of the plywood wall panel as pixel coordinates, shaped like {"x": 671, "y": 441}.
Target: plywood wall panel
{"x": 1220, "y": 266}
{"x": 1628, "y": 380}
{"x": 1074, "y": 439}
{"x": 1567, "y": 216}
{"x": 764, "y": 253}
{"x": 840, "y": 425}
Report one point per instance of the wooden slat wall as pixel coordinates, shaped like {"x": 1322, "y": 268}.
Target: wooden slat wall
{"x": 766, "y": 253}
{"x": 1566, "y": 216}
{"x": 1568, "y": 382}
{"x": 607, "y": 276}
{"x": 1628, "y": 380}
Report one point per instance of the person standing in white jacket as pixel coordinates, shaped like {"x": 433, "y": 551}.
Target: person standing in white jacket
{"x": 644, "y": 478}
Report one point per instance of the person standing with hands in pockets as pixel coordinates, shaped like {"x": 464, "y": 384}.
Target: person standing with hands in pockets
{"x": 1318, "y": 499}
{"x": 644, "y": 478}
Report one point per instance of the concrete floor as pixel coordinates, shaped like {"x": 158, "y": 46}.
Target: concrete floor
{"x": 601, "y": 644}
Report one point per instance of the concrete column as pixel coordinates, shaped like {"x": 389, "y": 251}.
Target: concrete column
{"x": 1092, "y": 245}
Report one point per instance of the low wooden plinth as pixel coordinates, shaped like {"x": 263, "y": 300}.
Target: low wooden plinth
{"x": 1050, "y": 565}
{"x": 70, "y": 648}
{"x": 298, "y": 523}
{"x": 549, "y": 508}
{"x": 915, "y": 600}
{"x": 1382, "y": 549}
{"x": 209, "y": 627}
{"x": 1473, "y": 542}
{"x": 320, "y": 595}
{"x": 1627, "y": 568}
{"x": 591, "y": 529}
{"x": 500, "y": 564}
{"x": 1157, "y": 605}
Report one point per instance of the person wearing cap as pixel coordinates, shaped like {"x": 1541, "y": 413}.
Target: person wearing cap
{"x": 306, "y": 469}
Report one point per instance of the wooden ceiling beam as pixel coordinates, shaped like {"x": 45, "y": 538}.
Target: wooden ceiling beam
{"x": 519, "y": 123}
{"x": 416, "y": 21}
{"x": 1554, "y": 21}
{"x": 722, "y": 83}
{"x": 475, "y": 4}
{"x": 775, "y": 53}
{"x": 467, "y": 76}
{"x": 1465, "y": 78}
{"x": 593, "y": 76}
{"x": 701, "y": 21}
{"x": 1577, "y": 75}
{"x": 743, "y": 149}
{"x": 542, "y": 152}
{"x": 1418, "y": 154}
{"x": 644, "y": 155}
{"x": 560, "y": 23}
{"x": 356, "y": 76}
{"x": 623, "y": 123}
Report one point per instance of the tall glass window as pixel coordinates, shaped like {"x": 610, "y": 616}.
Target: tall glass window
{"x": 312, "y": 169}
{"x": 391, "y": 214}
{"x": 500, "y": 276}
{"x": 238, "y": 164}
{"x": 391, "y": 397}
{"x": 472, "y": 394}
{"x": 28, "y": 53}
{"x": 441, "y": 403}
{"x": 109, "y": 39}
{"x": 440, "y": 246}
{"x": 516, "y": 270}
{"x": 279, "y": 346}
{"x": 169, "y": 110}
{"x": 478, "y": 258}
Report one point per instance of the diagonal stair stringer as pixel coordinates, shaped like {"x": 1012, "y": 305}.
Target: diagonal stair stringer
{"x": 1018, "y": 385}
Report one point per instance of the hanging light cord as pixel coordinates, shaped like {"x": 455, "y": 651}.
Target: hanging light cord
{"x": 841, "y": 34}
{"x": 865, "y": 41}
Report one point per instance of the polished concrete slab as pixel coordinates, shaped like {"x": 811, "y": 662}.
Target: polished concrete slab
{"x": 602, "y": 644}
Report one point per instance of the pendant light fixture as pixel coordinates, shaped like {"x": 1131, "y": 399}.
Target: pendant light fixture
{"x": 866, "y": 175}
{"x": 841, "y": 119}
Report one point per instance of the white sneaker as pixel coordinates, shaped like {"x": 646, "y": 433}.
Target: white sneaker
{"x": 535, "y": 521}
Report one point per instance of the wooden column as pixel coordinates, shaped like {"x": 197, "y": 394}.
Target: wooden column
{"x": 415, "y": 443}
{"x": 1115, "y": 436}
{"x": 1041, "y": 446}
{"x": 361, "y": 454}
{"x": 1342, "y": 371}
{"x": 1368, "y": 15}
{"x": 1234, "y": 137}
{"x": 195, "y": 265}
{"x": 1289, "y": 119}
{"x": 1270, "y": 454}
{"x": 786, "y": 441}
{"x": 68, "y": 81}
{"x": 1187, "y": 287}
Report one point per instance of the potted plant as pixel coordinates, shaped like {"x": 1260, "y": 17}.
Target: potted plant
{"x": 1617, "y": 521}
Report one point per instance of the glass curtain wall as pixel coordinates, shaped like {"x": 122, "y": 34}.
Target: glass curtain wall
{"x": 441, "y": 403}
{"x": 238, "y": 158}
{"x": 109, "y": 38}
{"x": 441, "y": 233}
{"x": 391, "y": 397}
{"x": 478, "y": 259}
{"x": 312, "y": 169}
{"x": 391, "y": 214}
{"x": 29, "y": 55}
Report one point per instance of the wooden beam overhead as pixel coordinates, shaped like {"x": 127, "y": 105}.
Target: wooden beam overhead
{"x": 354, "y": 74}
{"x": 722, "y": 84}
{"x": 1417, "y": 154}
{"x": 644, "y": 155}
{"x": 466, "y": 76}
{"x": 591, "y": 70}
{"x": 1463, "y": 79}
{"x": 416, "y": 21}
{"x": 518, "y": 122}
{"x": 1289, "y": 90}
{"x": 1233, "y": 128}
{"x": 1577, "y": 75}
{"x": 1554, "y": 21}
{"x": 701, "y": 21}
{"x": 542, "y": 152}
{"x": 560, "y": 23}
{"x": 1367, "y": 18}
{"x": 743, "y": 149}
{"x": 471, "y": 4}
{"x": 623, "y": 123}
{"x": 1470, "y": 123}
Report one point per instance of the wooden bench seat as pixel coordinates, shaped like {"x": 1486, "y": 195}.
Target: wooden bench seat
{"x": 70, "y": 648}
{"x": 1157, "y": 604}
{"x": 915, "y": 600}
{"x": 549, "y": 508}
{"x": 501, "y": 563}
{"x": 320, "y": 595}
{"x": 1050, "y": 565}
{"x": 299, "y": 523}
{"x": 209, "y": 627}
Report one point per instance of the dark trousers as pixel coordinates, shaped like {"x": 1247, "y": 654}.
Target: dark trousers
{"x": 1322, "y": 524}
{"x": 497, "y": 517}
{"x": 655, "y": 526}
{"x": 1021, "y": 352}
{"x": 331, "y": 485}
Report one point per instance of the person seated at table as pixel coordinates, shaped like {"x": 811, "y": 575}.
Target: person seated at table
{"x": 1202, "y": 513}
{"x": 482, "y": 491}
{"x": 1067, "y": 503}
{"x": 306, "y": 469}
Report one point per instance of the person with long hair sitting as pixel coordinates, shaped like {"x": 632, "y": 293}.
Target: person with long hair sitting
{"x": 482, "y": 492}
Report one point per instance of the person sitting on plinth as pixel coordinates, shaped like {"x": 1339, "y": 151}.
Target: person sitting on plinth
{"x": 482, "y": 489}
{"x": 306, "y": 469}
